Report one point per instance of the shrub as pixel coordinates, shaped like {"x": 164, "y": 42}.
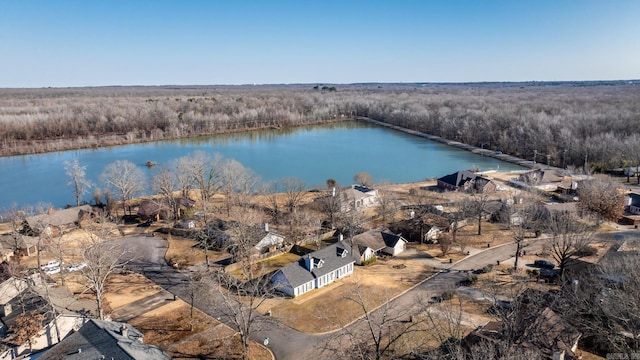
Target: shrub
{"x": 470, "y": 280}
{"x": 369, "y": 261}
{"x": 487, "y": 268}
{"x": 587, "y": 251}
{"x": 447, "y": 295}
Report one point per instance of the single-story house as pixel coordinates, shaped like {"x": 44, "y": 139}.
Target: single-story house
{"x": 538, "y": 177}
{"x": 100, "y": 339}
{"x": 315, "y": 270}
{"x": 56, "y": 222}
{"x": 357, "y": 197}
{"x": 17, "y": 244}
{"x": 157, "y": 208}
{"x": 466, "y": 181}
{"x": 377, "y": 241}
{"x": 633, "y": 204}
{"x": 269, "y": 242}
{"x": 422, "y": 228}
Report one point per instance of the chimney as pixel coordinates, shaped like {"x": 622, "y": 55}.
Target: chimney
{"x": 124, "y": 331}
{"x": 333, "y": 191}
{"x": 266, "y": 226}
{"x": 558, "y": 355}
{"x": 308, "y": 261}
{"x": 340, "y": 237}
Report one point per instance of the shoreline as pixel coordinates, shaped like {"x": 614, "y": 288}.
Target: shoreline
{"x": 474, "y": 149}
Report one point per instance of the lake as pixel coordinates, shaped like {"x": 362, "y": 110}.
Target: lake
{"x": 313, "y": 154}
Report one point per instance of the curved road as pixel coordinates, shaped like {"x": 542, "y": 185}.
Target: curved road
{"x": 286, "y": 343}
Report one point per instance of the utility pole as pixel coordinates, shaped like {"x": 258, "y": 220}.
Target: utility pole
{"x": 535, "y": 154}
{"x": 548, "y": 161}
{"x": 564, "y": 158}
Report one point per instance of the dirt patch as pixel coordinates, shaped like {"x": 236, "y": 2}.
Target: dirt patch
{"x": 123, "y": 289}
{"x": 172, "y": 329}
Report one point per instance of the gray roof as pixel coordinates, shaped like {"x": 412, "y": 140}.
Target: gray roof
{"x": 58, "y": 217}
{"x": 98, "y": 338}
{"x": 298, "y": 274}
{"x": 377, "y": 239}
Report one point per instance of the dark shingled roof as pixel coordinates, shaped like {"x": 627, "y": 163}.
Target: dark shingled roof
{"x": 298, "y": 274}
{"x": 100, "y": 339}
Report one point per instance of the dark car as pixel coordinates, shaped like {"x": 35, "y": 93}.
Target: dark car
{"x": 544, "y": 264}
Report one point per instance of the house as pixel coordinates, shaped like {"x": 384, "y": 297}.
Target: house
{"x": 99, "y": 339}
{"x": 17, "y": 244}
{"x": 632, "y": 205}
{"x": 376, "y": 241}
{"x": 315, "y": 270}
{"x": 466, "y": 181}
{"x": 543, "y": 330}
{"x": 269, "y": 242}
{"x": 56, "y": 222}
{"x": 357, "y": 197}
{"x": 17, "y": 299}
{"x": 158, "y": 208}
{"x": 422, "y": 228}
{"x": 539, "y": 178}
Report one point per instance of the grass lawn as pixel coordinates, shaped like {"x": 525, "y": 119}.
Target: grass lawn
{"x": 316, "y": 311}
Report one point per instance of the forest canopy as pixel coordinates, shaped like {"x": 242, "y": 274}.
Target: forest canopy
{"x": 593, "y": 122}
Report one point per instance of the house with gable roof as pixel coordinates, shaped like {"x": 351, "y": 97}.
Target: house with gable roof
{"x": 375, "y": 242}
{"x": 315, "y": 270}
{"x": 466, "y": 181}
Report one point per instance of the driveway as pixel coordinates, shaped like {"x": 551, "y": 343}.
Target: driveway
{"x": 287, "y": 343}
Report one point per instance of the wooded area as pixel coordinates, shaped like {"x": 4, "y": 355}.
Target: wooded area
{"x": 593, "y": 122}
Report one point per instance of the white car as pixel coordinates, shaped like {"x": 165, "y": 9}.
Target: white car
{"x": 76, "y": 267}
{"x": 52, "y": 270}
{"x": 51, "y": 264}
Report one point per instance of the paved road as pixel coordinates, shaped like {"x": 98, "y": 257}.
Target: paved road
{"x": 287, "y": 343}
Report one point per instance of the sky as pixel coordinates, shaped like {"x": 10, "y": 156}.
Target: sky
{"x": 98, "y": 43}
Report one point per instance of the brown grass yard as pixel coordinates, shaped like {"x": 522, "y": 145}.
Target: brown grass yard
{"x": 123, "y": 289}
{"x": 168, "y": 328}
{"x": 316, "y": 311}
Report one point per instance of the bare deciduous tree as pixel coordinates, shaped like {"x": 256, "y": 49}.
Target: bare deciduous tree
{"x": 294, "y": 190}
{"x": 363, "y": 178}
{"x": 103, "y": 258}
{"x": 602, "y": 197}
{"x": 126, "y": 178}
{"x": 77, "y": 179}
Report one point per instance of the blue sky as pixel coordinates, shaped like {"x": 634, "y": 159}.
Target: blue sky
{"x": 94, "y": 43}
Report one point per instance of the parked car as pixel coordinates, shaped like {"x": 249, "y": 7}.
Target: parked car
{"x": 52, "y": 270}
{"x": 76, "y": 267}
{"x": 544, "y": 264}
{"x": 51, "y": 264}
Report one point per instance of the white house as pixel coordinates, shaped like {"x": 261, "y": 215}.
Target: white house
{"x": 315, "y": 270}
{"x": 357, "y": 197}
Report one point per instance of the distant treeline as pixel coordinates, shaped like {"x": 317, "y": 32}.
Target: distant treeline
{"x": 599, "y": 123}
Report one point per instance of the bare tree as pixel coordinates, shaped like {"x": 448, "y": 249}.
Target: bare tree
{"x": 103, "y": 257}
{"x": 126, "y": 178}
{"x": 363, "y": 178}
{"x": 237, "y": 182}
{"x": 240, "y": 298}
{"x": 77, "y": 179}
{"x": 379, "y": 333}
{"x": 164, "y": 183}
{"x": 294, "y": 190}
{"x": 570, "y": 238}
{"x": 271, "y": 194}
{"x": 388, "y": 205}
{"x": 204, "y": 172}
{"x": 602, "y": 197}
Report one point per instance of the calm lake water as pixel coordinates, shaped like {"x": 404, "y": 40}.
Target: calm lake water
{"x": 313, "y": 154}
